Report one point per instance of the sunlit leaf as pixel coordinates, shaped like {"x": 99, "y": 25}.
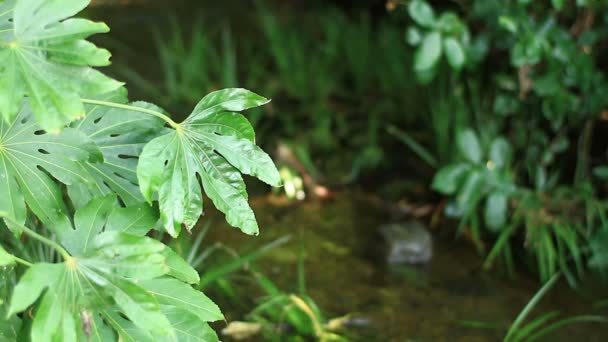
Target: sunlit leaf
{"x": 173, "y": 292}
{"x": 47, "y": 59}
{"x": 188, "y": 327}
{"x": 214, "y": 146}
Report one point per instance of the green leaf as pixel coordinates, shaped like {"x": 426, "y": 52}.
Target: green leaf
{"x": 44, "y": 57}
{"x": 496, "y": 211}
{"x": 32, "y": 283}
{"x": 413, "y": 36}
{"x": 136, "y": 220}
{"x": 173, "y": 292}
{"x": 558, "y": 4}
{"x": 179, "y": 268}
{"x": 448, "y": 179}
{"x": 422, "y": 13}
{"x": 28, "y": 155}
{"x": 428, "y": 54}
{"x": 127, "y": 331}
{"x": 508, "y": 23}
{"x": 89, "y": 222}
{"x": 470, "y": 192}
{"x": 188, "y": 327}
{"x": 500, "y": 152}
{"x": 9, "y": 327}
{"x": 454, "y": 53}
{"x": 105, "y": 277}
{"x": 6, "y": 258}
{"x": 469, "y": 146}
{"x": 121, "y": 135}
{"x": 215, "y": 146}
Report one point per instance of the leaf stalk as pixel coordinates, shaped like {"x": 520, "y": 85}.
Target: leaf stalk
{"x": 160, "y": 115}
{"x": 64, "y": 254}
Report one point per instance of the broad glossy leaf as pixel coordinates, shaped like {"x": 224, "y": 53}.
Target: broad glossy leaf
{"x": 216, "y": 146}
{"x": 127, "y": 331}
{"x": 429, "y": 52}
{"x": 179, "y": 268}
{"x": 89, "y": 222}
{"x": 47, "y": 59}
{"x": 28, "y": 155}
{"x": 98, "y": 279}
{"x": 121, "y": 135}
{"x": 32, "y": 283}
{"x": 422, "y": 13}
{"x": 188, "y": 327}
{"x": 172, "y": 292}
{"x": 136, "y": 220}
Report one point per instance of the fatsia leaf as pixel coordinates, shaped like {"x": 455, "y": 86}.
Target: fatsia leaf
{"x": 104, "y": 277}
{"x": 179, "y": 268}
{"x": 47, "y": 59}
{"x": 89, "y": 222}
{"x": 173, "y": 292}
{"x": 28, "y": 155}
{"x": 136, "y": 220}
{"x": 188, "y": 327}
{"x": 121, "y": 135}
{"x": 216, "y": 146}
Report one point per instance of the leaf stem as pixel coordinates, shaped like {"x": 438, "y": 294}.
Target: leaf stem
{"x": 22, "y": 261}
{"x": 64, "y": 254}
{"x": 133, "y": 108}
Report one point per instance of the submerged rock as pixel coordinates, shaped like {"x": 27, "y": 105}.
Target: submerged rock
{"x": 408, "y": 243}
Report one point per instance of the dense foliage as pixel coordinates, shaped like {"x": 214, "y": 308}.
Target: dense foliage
{"x": 534, "y": 87}
{"x": 85, "y": 176}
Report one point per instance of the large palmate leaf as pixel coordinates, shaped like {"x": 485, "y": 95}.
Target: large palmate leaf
{"x": 121, "y": 135}
{"x": 113, "y": 283}
{"x": 48, "y": 60}
{"x": 28, "y": 155}
{"x": 214, "y": 145}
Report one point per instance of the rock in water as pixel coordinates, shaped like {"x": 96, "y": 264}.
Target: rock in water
{"x": 408, "y": 243}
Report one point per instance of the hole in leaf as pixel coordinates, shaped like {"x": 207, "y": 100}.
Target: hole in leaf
{"x": 126, "y": 156}
{"x": 97, "y": 120}
{"x": 43, "y": 151}
{"x": 25, "y": 120}
{"x": 40, "y": 132}
{"x": 106, "y": 184}
{"x": 166, "y": 162}
{"x": 114, "y": 135}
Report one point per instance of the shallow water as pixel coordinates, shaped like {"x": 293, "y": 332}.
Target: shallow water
{"x": 346, "y": 273}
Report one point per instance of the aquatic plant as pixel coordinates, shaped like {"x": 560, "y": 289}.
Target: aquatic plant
{"x": 544, "y": 324}
{"x": 86, "y": 176}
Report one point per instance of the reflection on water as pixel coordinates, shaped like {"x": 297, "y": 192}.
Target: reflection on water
{"x": 451, "y": 299}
